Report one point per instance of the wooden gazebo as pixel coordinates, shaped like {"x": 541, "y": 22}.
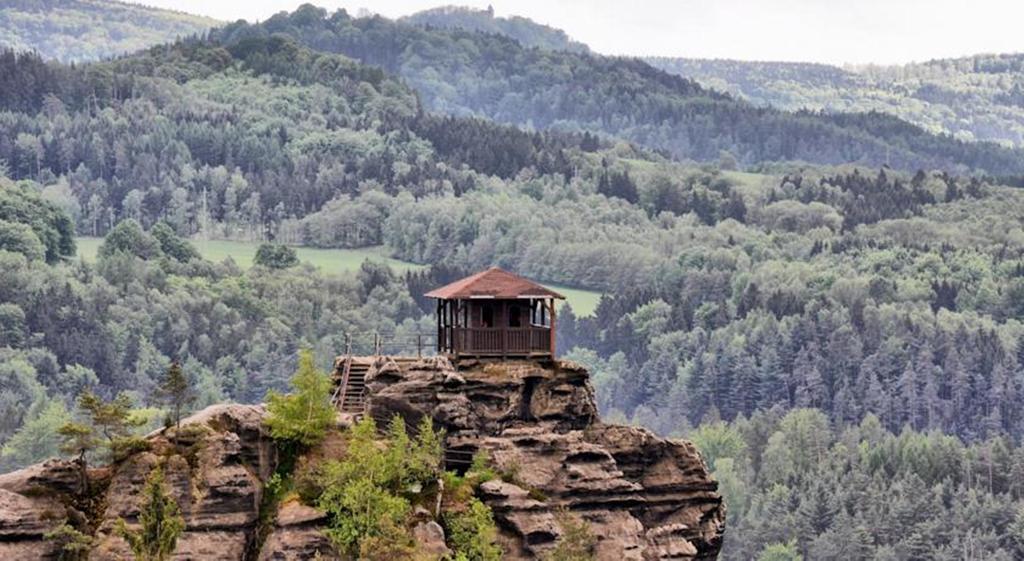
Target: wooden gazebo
{"x": 495, "y": 313}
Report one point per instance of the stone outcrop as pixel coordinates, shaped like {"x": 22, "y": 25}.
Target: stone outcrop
{"x": 32, "y": 505}
{"x": 297, "y": 535}
{"x": 215, "y": 471}
{"x": 644, "y": 497}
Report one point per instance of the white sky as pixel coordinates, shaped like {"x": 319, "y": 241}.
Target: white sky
{"x": 832, "y": 31}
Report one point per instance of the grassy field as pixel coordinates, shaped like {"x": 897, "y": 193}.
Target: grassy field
{"x": 328, "y": 260}
{"x": 583, "y": 302}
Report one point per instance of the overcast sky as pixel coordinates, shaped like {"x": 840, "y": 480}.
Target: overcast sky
{"x": 833, "y": 31}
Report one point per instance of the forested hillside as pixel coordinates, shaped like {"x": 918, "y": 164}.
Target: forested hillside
{"x": 467, "y": 73}
{"x": 248, "y": 140}
{"x": 83, "y": 30}
{"x": 972, "y": 98}
{"x": 524, "y": 30}
{"x": 975, "y": 98}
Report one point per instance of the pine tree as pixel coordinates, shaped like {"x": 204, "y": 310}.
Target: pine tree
{"x": 810, "y": 386}
{"x": 176, "y": 392}
{"x": 109, "y": 419}
{"x": 160, "y": 523}
{"x": 79, "y": 440}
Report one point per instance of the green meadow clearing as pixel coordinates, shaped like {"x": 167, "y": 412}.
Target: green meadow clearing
{"x": 337, "y": 261}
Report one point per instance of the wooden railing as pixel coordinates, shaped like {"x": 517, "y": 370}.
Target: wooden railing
{"x": 499, "y": 340}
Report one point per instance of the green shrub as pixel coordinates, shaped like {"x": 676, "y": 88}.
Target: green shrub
{"x": 480, "y": 470}
{"x": 74, "y": 545}
{"x": 389, "y": 543}
{"x": 472, "y": 533}
{"x": 780, "y": 552}
{"x": 362, "y": 510}
{"x": 123, "y": 447}
{"x": 368, "y": 494}
{"x": 275, "y": 256}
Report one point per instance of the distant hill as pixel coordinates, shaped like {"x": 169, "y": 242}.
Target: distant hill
{"x": 467, "y": 73}
{"x": 82, "y": 30}
{"x": 528, "y": 32}
{"x": 973, "y": 98}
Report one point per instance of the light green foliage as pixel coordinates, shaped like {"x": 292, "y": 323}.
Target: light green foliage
{"x": 718, "y": 440}
{"x": 19, "y": 238}
{"x": 74, "y": 545}
{"x": 83, "y": 30}
{"x": 160, "y": 522}
{"x": 304, "y": 415}
{"x": 19, "y": 389}
{"x": 368, "y": 492}
{"x": 472, "y": 533}
{"x": 577, "y": 541}
{"x": 390, "y": 542}
{"x": 481, "y": 469}
{"x": 732, "y": 484}
{"x": 780, "y": 552}
{"x": 799, "y": 446}
{"x": 38, "y": 438}
{"x": 363, "y": 510}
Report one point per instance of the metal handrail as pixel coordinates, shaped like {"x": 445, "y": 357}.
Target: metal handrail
{"x": 378, "y": 343}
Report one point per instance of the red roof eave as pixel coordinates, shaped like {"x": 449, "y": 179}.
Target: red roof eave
{"x": 493, "y": 283}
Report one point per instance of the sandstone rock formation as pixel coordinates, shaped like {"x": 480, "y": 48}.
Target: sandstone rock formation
{"x": 215, "y": 472}
{"x": 644, "y": 497}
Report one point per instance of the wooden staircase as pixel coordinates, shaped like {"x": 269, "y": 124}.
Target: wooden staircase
{"x": 350, "y": 394}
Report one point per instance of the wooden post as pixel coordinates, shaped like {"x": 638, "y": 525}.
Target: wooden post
{"x": 440, "y": 329}
{"x": 419, "y": 346}
{"x": 456, "y": 309}
{"x": 552, "y": 328}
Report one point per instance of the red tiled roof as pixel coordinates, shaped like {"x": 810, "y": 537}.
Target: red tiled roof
{"x": 493, "y": 283}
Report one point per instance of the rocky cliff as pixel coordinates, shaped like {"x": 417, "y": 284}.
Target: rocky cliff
{"x": 644, "y": 497}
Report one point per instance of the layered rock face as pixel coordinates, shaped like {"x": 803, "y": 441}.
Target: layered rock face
{"x": 216, "y": 472}
{"x": 644, "y": 497}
